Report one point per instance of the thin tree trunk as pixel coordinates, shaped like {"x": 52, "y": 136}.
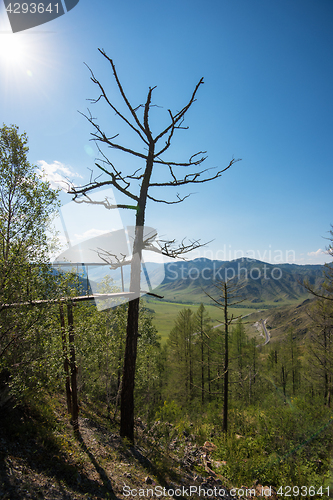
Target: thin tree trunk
{"x": 66, "y": 362}
{"x": 190, "y": 363}
{"x": 254, "y": 362}
{"x": 75, "y": 406}
{"x": 208, "y": 373}
{"x": 127, "y": 393}
{"x": 202, "y": 371}
{"x": 226, "y": 362}
{"x": 284, "y": 381}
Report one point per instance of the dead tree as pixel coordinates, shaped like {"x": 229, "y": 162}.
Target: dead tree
{"x": 136, "y": 189}
{"x": 228, "y": 297}
{"x": 326, "y": 290}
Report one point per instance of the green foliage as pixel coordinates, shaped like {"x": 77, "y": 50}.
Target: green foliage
{"x": 100, "y": 342}
{"x": 169, "y": 412}
{"x": 26, "y": 204}
{"x": 149, "y": 368}
{"x": 280, "y": 432}
{"x": 181, "y": 356}
{"x": 320, "y": 350}
{"x": 279, "y": 409}
{"x": 288, "y": 444}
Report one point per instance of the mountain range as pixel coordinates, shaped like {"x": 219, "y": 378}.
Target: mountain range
{"x": 260, "y": 282}
{"x": 190, "y": 281}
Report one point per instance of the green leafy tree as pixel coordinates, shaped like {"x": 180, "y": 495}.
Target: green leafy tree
{"x": 181, "y": 356}
{"x": 148, "y": 368}
{"x": 100, "y": 343}
{"x": 26, "y": 203}
{"x": 100, "y": 346}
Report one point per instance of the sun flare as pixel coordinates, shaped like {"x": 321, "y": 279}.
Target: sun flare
{"x": 13, "y": 49}
{"x": 27, "y": 62}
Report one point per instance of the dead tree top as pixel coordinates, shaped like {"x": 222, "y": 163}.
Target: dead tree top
{"x": 123, "y": 182}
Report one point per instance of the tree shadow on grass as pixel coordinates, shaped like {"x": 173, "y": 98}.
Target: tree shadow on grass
{"x": 33, "y": 465}
{"x": 101, "y": 472}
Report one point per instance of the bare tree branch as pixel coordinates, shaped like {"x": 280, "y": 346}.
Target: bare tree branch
{"x": 174, "y": 202}
{"x": 189, "y": 163}
{"x": 105, "y": 202}
{"x": 181, "y": 113}
{"x": 166, "y": 247}
{"x": 173, "y": 128}
{"x": 107, "y": 258}
{"x": 320, "y": 295}
{"x": 146, "y": 115}
{"x": 131, "y": 109}
{"x": 193, "y": 178}
{"x": 118, "y": 175}
{"x": 101, "y": 137}
{"x": 104, "y": 95}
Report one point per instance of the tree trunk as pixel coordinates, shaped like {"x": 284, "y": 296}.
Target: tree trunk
{"x": 127, "y": 393}
{"x": 226, "y": 362}
{"x": 202, "y": 371}
{"x": 208, "y": 372}
{"x": 190, "y": 364}
{"x": 75, "y": 406}
{"x": 284, "y": 381}
{"x": 66, "y": 362}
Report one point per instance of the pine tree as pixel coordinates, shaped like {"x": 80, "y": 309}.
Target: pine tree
{"x": 203, "y": 331}
{"x": 181, "y": 355}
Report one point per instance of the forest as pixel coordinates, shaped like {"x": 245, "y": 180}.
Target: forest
{"x": 263, "y": 413}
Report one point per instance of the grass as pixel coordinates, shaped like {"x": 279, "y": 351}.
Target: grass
{"x": 195, "y": 295}
{"x": 41, "y": 458}
{"x": 166, "y": 314}
{"x": 166, "y": 310}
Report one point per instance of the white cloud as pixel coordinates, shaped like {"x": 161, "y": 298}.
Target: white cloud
{"x": 57, "y": 173}
{"x": 317, "y": 253}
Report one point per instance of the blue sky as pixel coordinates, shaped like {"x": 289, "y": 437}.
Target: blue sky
{"x": 267, "y": 99}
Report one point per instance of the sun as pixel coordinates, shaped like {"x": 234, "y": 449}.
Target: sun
{"x": 13, "y": 49}
{"x": 27, "y": 61}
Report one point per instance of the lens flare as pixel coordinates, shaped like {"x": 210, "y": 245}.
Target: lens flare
{"x": 13, "y": 49}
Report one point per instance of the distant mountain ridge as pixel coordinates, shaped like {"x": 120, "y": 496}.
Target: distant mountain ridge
{"x": 187, "y": 281}
{"x": 261, "y": 281}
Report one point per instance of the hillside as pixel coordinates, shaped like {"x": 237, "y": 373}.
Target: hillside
{"x": 272, "y": 292}
{"x": 281, "y": 320}
{"x": 41, "y": 459}
{"x": 263, "y": 283}
{"x": 188, "y": 281}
